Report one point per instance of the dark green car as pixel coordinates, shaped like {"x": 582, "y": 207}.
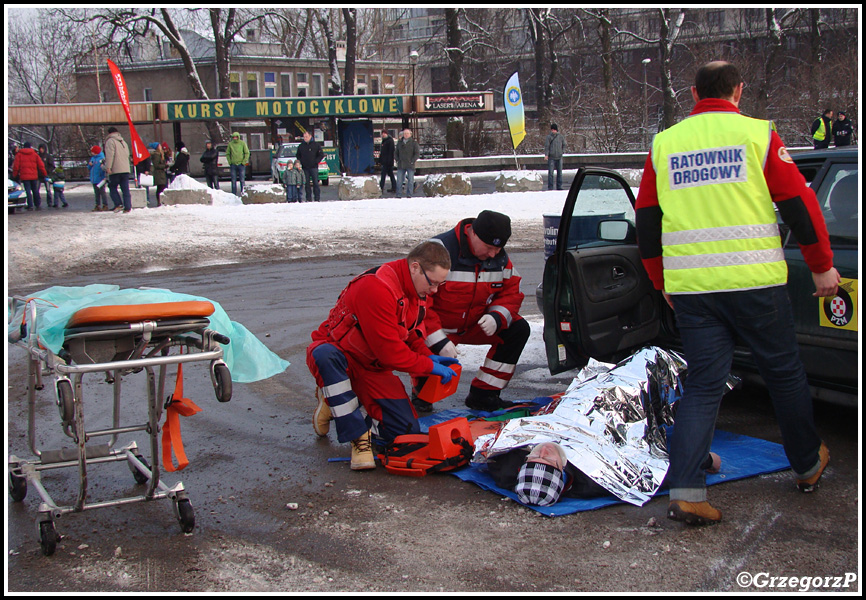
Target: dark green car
{"x": 598, "y": 301}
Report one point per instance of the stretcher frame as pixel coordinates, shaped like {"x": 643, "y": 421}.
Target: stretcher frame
{"x": 151, "y": 342}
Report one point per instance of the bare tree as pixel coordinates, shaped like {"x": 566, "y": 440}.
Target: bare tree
{"x": 351, "y": 18}
{"x": 335, "y": 83}
{"x": 454, "y": 50}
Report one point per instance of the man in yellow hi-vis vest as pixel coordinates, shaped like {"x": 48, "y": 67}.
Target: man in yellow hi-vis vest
{"x": 709, "y": 240}
{"x": 821, "y": 130}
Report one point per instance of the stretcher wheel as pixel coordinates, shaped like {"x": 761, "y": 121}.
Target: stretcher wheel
{"x": 185, "y": 515}
{"x": 222, "y": 382}
{"x": 47, "y": 537}
{"x": 65, "y": 401}
{"x": 140, "y": 477}
{"x": 17, "y": 487}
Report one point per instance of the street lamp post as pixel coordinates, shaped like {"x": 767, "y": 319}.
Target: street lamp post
{"x": 413, "y": 60}
{"x": 645, "y": 62}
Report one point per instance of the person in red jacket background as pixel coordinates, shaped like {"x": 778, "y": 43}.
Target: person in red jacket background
{"x": 29, "y": 169}
{"x": 479, "y": 305}
{"x": 376, "y": 328}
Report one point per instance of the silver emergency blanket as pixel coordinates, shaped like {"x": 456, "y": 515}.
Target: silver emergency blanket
{"x": 610, "y": 422}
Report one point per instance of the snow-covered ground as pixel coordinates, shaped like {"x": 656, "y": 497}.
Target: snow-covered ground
{"x": 49, "y": 245}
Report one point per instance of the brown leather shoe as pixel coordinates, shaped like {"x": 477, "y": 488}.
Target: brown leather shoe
{"x": 362, "y": 454}
{"x": 322, "y": 415}
{"x": 808, "y": 485}
{"x": 693, "y": 513}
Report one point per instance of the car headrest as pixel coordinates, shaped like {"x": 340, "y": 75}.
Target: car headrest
{"x": 843, "y": 198}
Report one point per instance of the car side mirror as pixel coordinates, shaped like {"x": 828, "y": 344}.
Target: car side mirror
{"x": 616, "y": 231}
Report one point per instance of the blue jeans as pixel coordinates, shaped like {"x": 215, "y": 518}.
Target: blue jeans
{"x": 99, "y": 194}
{"x": 122, "y": 180}
{"x": 402, "y": 174}
{"x": 311, "y": 180}
{"x": 554, "y": 163}
{"x": 31, "y": 187}
{"x": 48, "y": 198}
{"x": 709, "y": 325}
{"x": 293, "y": 193}
{"x": 239, "y": 172}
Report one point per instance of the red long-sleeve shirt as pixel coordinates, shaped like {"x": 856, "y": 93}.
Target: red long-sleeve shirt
{"x": 795, "y": 200}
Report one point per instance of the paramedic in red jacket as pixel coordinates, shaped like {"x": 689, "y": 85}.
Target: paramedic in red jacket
{"x": 376, "y": 328}
{"x": 479, "y": 305}
{"x": 29, "y": 169}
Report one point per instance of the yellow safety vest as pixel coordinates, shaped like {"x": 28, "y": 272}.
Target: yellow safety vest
{"x": 821, "y": 133}
{"x": 719, "y": 228}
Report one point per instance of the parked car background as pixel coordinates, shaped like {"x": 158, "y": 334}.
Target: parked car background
{"x": 286, "y": 153}
{"x": 598, "y": 301}
{"x": 17, "y": 195}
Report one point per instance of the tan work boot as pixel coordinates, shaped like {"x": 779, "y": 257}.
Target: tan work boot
{"x": 322, "y": 415}
{"x": 362, "y": 453}
{"x": 808, "y": 485}
{"x": 693, "y": 513}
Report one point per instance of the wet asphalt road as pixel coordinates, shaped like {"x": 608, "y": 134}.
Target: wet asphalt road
{"x": 372, "y": 531}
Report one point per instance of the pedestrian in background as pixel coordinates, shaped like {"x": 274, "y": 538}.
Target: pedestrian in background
{"x": 48, "y": 161}
{"x": 822, "y": 129}
{"x": 209, "y": 161}
{"x": 407, "y": 153}
{"x": 310, "y": 154}
{"x": 58, "y": 182}
{"x": 29, "y": 169}
{"x": 98, "y": 177}
{"x": 238, "y": 157}
{"x": 293, "y": 179}
{"x": 143, "y": 177}
{"x": 386, "y": 159}
{"x": 118, "y": 168}
{"x": 158, "y": 164}
{"x": 554, "y": 147}
{"x": 181, "y": 161}
{"x": 722, "y": 269}
{"x": 842, "y": 130}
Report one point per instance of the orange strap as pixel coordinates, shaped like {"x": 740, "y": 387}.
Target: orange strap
{"x": 177, "y": 407}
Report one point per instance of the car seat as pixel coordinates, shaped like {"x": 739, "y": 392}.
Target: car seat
{"x": 843, "y": 204}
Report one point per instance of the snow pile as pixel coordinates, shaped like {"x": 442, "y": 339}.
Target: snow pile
{"x": 521, "y": 175}
{"x": 440, "y": 177}
{"x": 220, "y": 198}
{"x": 266, "y": 188}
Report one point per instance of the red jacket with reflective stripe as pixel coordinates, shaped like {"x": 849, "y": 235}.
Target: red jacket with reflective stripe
{"x": 473, "y": 288}
{"x": 378, "y": 321}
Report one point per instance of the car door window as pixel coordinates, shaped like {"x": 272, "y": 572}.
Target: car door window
{"x": 601, "y": 199}
{"x": 838, "y": 199}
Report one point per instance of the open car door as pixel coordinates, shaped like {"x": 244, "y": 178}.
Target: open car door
{"x": 598, "y": 300}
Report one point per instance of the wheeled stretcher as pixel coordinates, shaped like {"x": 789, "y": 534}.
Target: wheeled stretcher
{"x": 116, "y": 341}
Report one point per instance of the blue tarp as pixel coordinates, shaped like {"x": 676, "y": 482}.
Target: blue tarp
{"x": 742, "y": 456}
{"x": 246, "y": 356}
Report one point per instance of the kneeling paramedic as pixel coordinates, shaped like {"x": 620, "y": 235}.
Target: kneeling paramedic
{"x": 376, "y": 328}
{"x": 478, "y": 305}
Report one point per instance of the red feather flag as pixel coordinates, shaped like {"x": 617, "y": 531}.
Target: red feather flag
{"x": 139, "y": 150}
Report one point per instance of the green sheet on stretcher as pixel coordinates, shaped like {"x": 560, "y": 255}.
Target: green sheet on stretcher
{"x": 246, "y": 356}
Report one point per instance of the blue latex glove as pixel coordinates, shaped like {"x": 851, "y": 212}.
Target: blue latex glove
{"x": 442, "y": 371}
{"x": 444, "y": 360}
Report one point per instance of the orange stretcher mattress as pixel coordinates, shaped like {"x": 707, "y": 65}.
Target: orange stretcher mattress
{"x": 129, "y": 313}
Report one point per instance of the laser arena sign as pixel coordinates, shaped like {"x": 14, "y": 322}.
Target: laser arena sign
{"x": 266, "y": 108}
